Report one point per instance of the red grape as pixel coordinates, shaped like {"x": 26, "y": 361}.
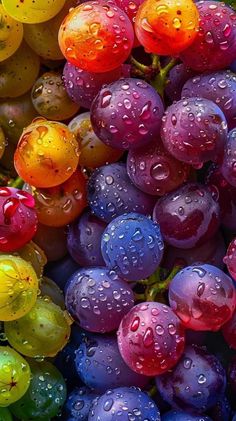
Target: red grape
{"x": 230, "y": 259}
{"x": 229, "y": 332}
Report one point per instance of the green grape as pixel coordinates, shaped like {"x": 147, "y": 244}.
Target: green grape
{"x": 18, "y": 287}
{"x": 11, "y": 34}
{"x": 50, "y": 289}
{"x": 14, "y": 376}
{"x": 33, "y": 11}
{"x": 5, "y": 415}
{"x": 19, "y": 72}
{"x": 42, "y": 332}
{"x": 45, "y": 396}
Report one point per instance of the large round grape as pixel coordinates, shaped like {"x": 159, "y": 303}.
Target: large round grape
{"x": 166, "y": 27}
{"x": 203, "y": 297}
{"x": 45, "y": 395}
{"x": 11, "y": 34}
{"x": 229, "y": 331}
{"x": 214, "y": 46}
{"x": 42, "y": 332}
{"x": 175, "y": 415}
{"x": 126, "y": 404}
{"x": 18, "y": 287}
{"x": 33, "y": 11}
{"x": 127, "y": 114}
{"x": 132, "y": 245}
{"x": 96, "y": 36}
{"x": 228, "y": 166}
{"x": 219, "y": 87}
{"x": 101, "y": 367}
{"x": 203, "y": 376}
{"x": 14, "y": 376}
{"x": 151, "y": 338}
{"x": 194, "y": 131}
{"x": 188, "y": 216}
{"x": 98, "y": 298}
{"x": 78, "y": 404}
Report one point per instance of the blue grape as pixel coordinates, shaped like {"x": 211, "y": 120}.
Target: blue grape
{"x": 101, "y": 367}
{"x": 132, "y": 245}
{"x": 111, "y": 193}
{"x": 78, "y": 404}
{"x": 65, "y": 362}
{"x": 126, "y": 404}
{"x": 222, "y": 410}
{"x": 98, "y": 298}
{"x": 196, "y": 383}
{"x": 175, "y": 415}
{"x": 61, "y": 270}
{"x": 234, "y": 417}
{"x": 228, "y": 166}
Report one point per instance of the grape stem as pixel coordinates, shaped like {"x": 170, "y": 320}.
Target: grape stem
{"x": 17, "y": 183}
{"x": 152, "y": 392}
{"x": 159, "y": 287}
{"x": 160, "y": 81}
{"x": 141, "y": 67}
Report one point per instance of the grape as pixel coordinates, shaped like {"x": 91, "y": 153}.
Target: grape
{"x": 194, "y": 131}
{"x": 211, "y": 251}
{"x": 78, "y": 404}
{"x": 43, "y": 37}
{"x": 200, "y": 374}
{"x": 34, "y": 255}
{"x": 228, "y": 165}
{"x": 98, "y": 298}
{"x": 94, "y": 153}
{"x": 3, "y": 143}
{"x": 50, "y": 99}
{"x": 222, "y": 410}
{"x": 111, "y": 193}
{"x": 126, "y": 404}
{"x": 36, "y": 11}
{"x": 18, "y": 287}
{"x": 47, "y": 153}
{"x": 11, "y": 35}
{"x": 19, "y": 72}
{"x": 45, "y": 395}
{"x": 42, "y": 332}
{"x": 101, "y": 367}
{"x": 49, "y": 288}
{"x": 127, "y": 114}
{"x": 132, "y": 245}
{"x": 130, "y": 7}
{"x": 188, "y": 217}
{"x": 166, "y": 27}
{"x": 14, "y": 376}
{"x": 154, "y": 171}
{"x": 214, "y": 46}
{"x": 83, "y": 86}
{"x": 7, "y": 160}
{"x": 15, "y": 114}
{"x": 84, "y": 239}
{"x": 5, "y": 415}
{"x": 230, "y": 259}
{"x": 177, "y": 77}
{"x": 65, "y": 363}
{"x": 175, "y": 415}
{"x": 203, "y": 297}
{"x": 229, "y": 331}
{"x": 52, "y": 240}
{"x": 219, "y": 87}
{"x": 151, "y": 338}
{"x": 232, "y": 374}
{"x": 61, "y": 270}
{"x": 60, "y": 205}
{"x": 18, "y": 220}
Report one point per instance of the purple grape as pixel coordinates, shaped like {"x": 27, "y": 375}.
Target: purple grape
{"x": 176, "y": 80}
{"x": 127, "y": 114}
{"x": 111, "y": 193}
{"x": 61, "y": 270}
{"x": 218, "y": 87}
{"x": 203, "y": 297}
{"x": 124, "y": 404}
{"x": 232, "y": 374}
{"x": 222, "y": 410}
{"x": 233, "y": 66}
{"x": 228, "y": 166}
{"x": 196, "y": 383}
{"x": 194, "y": 337}
{"x": 188, "y": 217}
{"x": 175, "y": 415}
{"x": 101, "y": 367}
{"x": 132, "y": 245}
{"x": 154, "y": 171}
{"x": 78, "y": 404}
{"x": 98, "y": 299}
{"x": 194, "y": 131}
{"x": 84, "y": 238}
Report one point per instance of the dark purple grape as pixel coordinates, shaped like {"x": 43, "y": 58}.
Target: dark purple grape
{"x": 154, "y": 171}
{"x": 78, "y": 404}
{"x": 175, "y": 415}
{"x": 127, "y": 114}
{"x": 61, "y": 271}
{"x": 196, "y": 383}
{"x": 176, "y": 80}
{"x": 221, "y": 411}
{"x": 194, "y": 130}
{"x": 101, "y": 367}
{"x": 124, "y": 404}
{"x": 203, "y": 297}
{"x": 84, "y": 239}
{"x": 98, "y": 298}
{"x": 65, "y": 362}
{"x": 228, "y": 166}
{"x": 218, "y": 87}
{"x": 194, "y": 337}
{"x": 233, "y": 66}
{"x": 188, "y": 217}
{"x": 232, "y": 374}
{"x": 111, "y": 193}
{"x": 132, "y": 245}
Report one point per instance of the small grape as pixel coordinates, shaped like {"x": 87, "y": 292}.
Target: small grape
{"x": 34, "y": 255}
{"x": 33, "y": 12}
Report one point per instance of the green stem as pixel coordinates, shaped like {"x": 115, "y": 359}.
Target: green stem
{"x": 156, "y": 62}
{"x": 160, "y": 81}
{"x": 139, "y": 297}
{"x": 17, "y": 183}
{"x": 159, "y": 288}
{"x": 153, "y": 391}
{"x": 141, "y": 67}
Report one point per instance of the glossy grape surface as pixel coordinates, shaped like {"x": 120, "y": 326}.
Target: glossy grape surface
{"x": 229, "y": 331}
{"x": 228, "y": 166}
{"x": 127, "y": 114}
{"x": 96, "y": 36}
{"x": 203, "y": 297}
{"x": 177, "y": 77}
{"x": 151, "y": 338}
{"x": 11, "y": 35}
{"x": 47, "y": 153}
{"x": 230, "y": 259}
{"x": 98, "y": 298}
{"x": 78, "y": 404}
{"x": 188, "y": 217}
{"x": 33, "y": 11}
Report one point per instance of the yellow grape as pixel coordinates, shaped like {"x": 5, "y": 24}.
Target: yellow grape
{"x": 11, "y": 34}
{"x": 33, "y": 11}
